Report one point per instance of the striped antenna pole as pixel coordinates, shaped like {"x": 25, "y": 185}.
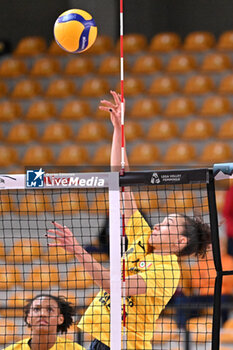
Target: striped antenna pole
{"x": 124, "y": 340}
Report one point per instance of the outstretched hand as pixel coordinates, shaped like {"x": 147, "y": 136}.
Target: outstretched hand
{"x": 113, "y": 108}
{"x": 63, "y": 237}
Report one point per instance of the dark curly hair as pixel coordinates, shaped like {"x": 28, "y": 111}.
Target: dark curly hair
{"x": 199, "y": 237}
{"x": 66, "y": 309}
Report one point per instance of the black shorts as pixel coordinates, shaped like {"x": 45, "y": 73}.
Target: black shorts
{"x": 97, "y": 345}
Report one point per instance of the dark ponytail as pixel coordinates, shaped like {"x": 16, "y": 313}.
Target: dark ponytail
{"x": 199, "y": 237}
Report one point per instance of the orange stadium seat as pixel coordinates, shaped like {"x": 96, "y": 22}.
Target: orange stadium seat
{"x": 24, "y": 251}
{"x": 132, "y": 86}
{"x": 145, "y": 108}
{"x": 181, "y": 63}
{"x": 2, "y": 246}
{"x": 12, "y": 68}
{"x": 72, "y": 202}
{"x": 75, "y": 110}
{"x": 45, "y": 67}
{"x": 8, "y": 332}
{"x": 146, "y": 200}
{"x": 55, "y": 50}
{"x": 34, "y": 204}
{"x": 215, "y": 62}
{"x": 9, "y": 156}
{"x": 199, "y": 41}
{"x": 15, "y": 304}
{"x": 164, "y": 85}
{"x": 226, "y": 334}
{"x": 37, "y": 155}
{"x": 92, "y": 132}
{"x": 10, "y": 276}
{"x": 147, "y": 64}
{"x": 41, "y": 110}
{"x": 30, "y": 46}
{"x": 225, "y": 41}
{"x": 99, "y": 114}
{"x": 79, "y": 66}
{"x": 22, "y": 133}
{"x": 162, "y": 130}
{"x": 3, "y": 89}
{"x": 133, "y": 130}
{"x": 220, "y": 200}
{"x": 57, "y": 133}
{"x": 215, "y": 106}
{"x": 77, "y": 278}
{"x": 42, "y": 277}
{"x": 60, "y": 88}
{"x": 198, "y": 129}
{"x": 200, "y": 329}
{"x": 110, "y": 65}
{"x": 100, "y": 204}
{"x": 178, "y": 200}
{"x": 226, "y": 130}
{"x": 57, "y": 255}
{"x": 133, "y": 43}
{"x": 198, "y": 85}
{"x": 103, "y": 44}
{"x": 216, "y": 152}
{"x": 165, "y": 331}
{"x": 165, "y": 42}
{"x": 9, "y": 111}
{"x": 73, "y": 155}
{"x": 102, "y": 155}
{"x": 226, "y": 85}
{"x": 145, "y": 153}
{"x": 180, "y": 107}
{"x": 94, "y": 87}
{"x": 180, "y": 153}
{"x": 26, "y": 88}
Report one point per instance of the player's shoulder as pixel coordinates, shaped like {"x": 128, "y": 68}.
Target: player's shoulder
{"x": 20, "y": 345}
{"x": 67, "y": 344}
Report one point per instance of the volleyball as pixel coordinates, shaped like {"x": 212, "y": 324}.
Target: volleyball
{"x": 75, "y": 31}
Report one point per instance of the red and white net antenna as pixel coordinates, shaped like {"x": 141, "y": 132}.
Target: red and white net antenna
{"x": 122, "y": 172}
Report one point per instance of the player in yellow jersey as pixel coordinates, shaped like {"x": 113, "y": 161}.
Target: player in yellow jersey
{"x": 47, "y": 315}
{"x": 152, "y": 269}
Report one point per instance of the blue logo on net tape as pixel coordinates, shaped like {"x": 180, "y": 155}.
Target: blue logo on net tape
{"x": 35, "y": 178}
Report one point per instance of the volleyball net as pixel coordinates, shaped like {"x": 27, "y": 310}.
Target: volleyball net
{"x": 182, "y": 301}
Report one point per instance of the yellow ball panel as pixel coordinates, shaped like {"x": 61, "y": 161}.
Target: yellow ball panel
{"x": 68, "y": 34}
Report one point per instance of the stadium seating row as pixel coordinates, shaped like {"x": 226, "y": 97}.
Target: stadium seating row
{"x": 181, "y": 63}
{"x": 162, "y": 42}
{"x": 142, "y": 108}
{"x": 92, "y": 132}
{"x": 97, "y": 87}
{"x": 141, "y": 154}
{"x": 75, "y": 202}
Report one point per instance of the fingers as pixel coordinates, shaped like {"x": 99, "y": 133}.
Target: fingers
{"x": 115, "y": 97}
{"x": 56, "y": 232}
{"x": 55, "y": 245}
{"x": 58, "y": 225}
{"x": 63, "y": 229}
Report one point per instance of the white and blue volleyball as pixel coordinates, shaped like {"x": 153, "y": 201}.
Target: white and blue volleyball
{"x": 75, "y": 31}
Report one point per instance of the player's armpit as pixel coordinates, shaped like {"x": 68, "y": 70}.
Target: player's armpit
{"x": 135, "y": 285}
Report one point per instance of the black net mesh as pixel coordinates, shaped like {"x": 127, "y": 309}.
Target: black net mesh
{"x": 175, "y": 311}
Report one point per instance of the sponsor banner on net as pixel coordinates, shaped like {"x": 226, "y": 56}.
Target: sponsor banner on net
{"x": 40, "y": 179}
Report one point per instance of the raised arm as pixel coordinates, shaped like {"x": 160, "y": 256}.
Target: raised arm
{"x": 114, "y": 108}
{"x": 64, "y": 238}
